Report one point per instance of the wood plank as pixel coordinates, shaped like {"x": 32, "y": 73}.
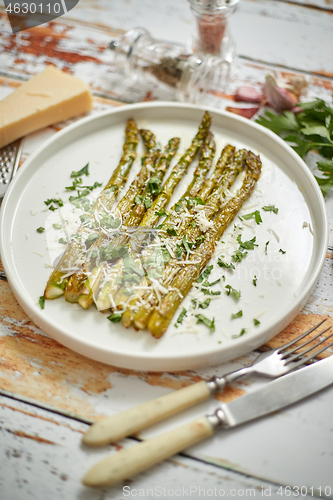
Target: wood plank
{"x": 284, "y": 33}
{"x": 42, "y": 457}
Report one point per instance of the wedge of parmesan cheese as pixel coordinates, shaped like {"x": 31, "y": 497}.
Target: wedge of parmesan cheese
{"x": 50, "y": 97}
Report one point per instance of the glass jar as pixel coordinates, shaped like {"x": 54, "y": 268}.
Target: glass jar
{"x": 212, "y": 33}
{"x": 194, "y": 77}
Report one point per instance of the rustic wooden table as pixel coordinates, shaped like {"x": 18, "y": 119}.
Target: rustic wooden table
{"x": 49, "y": 394}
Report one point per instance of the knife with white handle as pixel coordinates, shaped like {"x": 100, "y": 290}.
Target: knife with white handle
{"x": 270, "y": 398}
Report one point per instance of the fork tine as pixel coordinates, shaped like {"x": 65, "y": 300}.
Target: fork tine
{"x": 301, "y": 353}
{"x": 292, "y": 342}
{"x": 302, "y": 361}
{"x": 298, "y": 347}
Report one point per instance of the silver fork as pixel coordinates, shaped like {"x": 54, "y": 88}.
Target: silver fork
{"x": 274, "y": 364}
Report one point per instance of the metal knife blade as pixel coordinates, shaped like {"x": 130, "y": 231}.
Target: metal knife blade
{"x": 278, "y": 394}
{"x": 273, "y": 396}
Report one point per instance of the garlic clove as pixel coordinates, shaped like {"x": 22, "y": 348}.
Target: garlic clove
{"x": 245, "y": 112}
{"x": 248, "y": 94}
{"x": 279, "y": 98}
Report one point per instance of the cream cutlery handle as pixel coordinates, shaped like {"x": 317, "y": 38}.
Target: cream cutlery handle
{"x": 126, "y": 463}
{"x": 131, "y": 421}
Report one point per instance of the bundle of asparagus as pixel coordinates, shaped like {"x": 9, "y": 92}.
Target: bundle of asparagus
{"x": 140, "y": 270}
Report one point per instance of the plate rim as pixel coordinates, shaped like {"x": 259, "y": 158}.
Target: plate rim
{"x": 100, "y": 353}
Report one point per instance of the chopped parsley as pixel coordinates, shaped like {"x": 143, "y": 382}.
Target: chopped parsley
{"x": 161, "y": 214}
{"x": 194, "y": 201}
{"x": 205, "y": 291}
{"x": 282, "y": 251}
{"x": 210, "y": 323}
{"x": 254, "y": 281}
{"x": 147, "y": 202}
{"x": 236, "y": 315}
{"x": 51, "y": 202}
{"x": 40, "y": 229}
{"x": 138, "y": 199}
{"x": 179, "y": 252}
{"x": 266, "y": 245}
{"x": 201, "y": 305}
{"x": 221, "y": 263}
{"x": 171, "y": 232}
{"x": 232, "y": 291}
{"x": 41, "y": 301}
{"x": 205, "y": 274}
{"x": 92, "y": 237}
{"x": 212, "y": 283}
{"x": 83, "y": 171}
{"x": 181, "y": 317}
{"x": 62, "y": 241}
{"x": 57, "y": 226}
{"x": 115, "y": 317}
{"x": 153, "y": 186}
{"x": 256, "y": 215}
{"x": 256, "y": 321}
{"x": 270, "y": 208}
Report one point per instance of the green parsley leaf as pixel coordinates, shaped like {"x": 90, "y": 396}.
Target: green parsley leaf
{"x": 270, "y": 208}
{"x": 210, "y": 323}
{"x": 153, "y": 185}
{"x": 238, "y": 314}
{"x": 201, "y": 305}
{"x": 50, "y": 202}
{"x": 256, "y": 321}
{"x": 255, "y": 214}
{"x": 92, "y": 237}
{"x": 41, "y": 301}
{"x": 248, "y": 245}
{"x": 83, "y": 171}
{"x": 179, "y": 252}
{"x": 57, "y": 226}
{"x": 138, "y": 199}
{"x": 254, "y": 281}
{"x": 147, "y": 202}
{"x": 232, "y": 291}
{"x": 325, "y": 182}
{"x": 239, "y": 255}
{"x": 207, "y": 283}
{"x": 194, "y": 201}
{"x": 206, "y": 291}
{"x": 266, "y": 245}
{"x": 161, "y": 214}
{"x": 181, "y": 317}
{"x": 221, "y": 263}
{"x": 311, "y": 129}
{"x": 74, "y": 185}
{"x": 62, "y": 241}
{"x": 172, "y": 232}
{"x": 282, "y": 251}
{"x": 178, "y": 206}
{"x": 205, "y": 273}
{"x": 115, "y": 317}
{"x": 40, "y": 229}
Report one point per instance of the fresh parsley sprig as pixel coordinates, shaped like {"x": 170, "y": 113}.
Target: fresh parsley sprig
{"x": 309, "y": 130}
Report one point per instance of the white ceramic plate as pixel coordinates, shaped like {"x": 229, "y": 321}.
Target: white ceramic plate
{"x": 284, "y": 280}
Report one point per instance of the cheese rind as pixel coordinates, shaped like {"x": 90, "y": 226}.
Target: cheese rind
{"x": 50, "y": 97}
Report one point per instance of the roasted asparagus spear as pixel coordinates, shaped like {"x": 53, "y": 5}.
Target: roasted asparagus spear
{"x": 59, "y": 278}
{"x": 162, "y": 316}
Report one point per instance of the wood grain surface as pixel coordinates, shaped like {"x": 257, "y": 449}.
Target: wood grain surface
{"x": 49, "y": 393}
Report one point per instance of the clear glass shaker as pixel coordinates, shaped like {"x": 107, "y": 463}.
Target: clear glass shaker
{"x": 212, "y": 33}
{"x": 194, "y": 78}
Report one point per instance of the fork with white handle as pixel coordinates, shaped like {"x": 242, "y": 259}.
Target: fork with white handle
{"x": 276, "y": 363}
